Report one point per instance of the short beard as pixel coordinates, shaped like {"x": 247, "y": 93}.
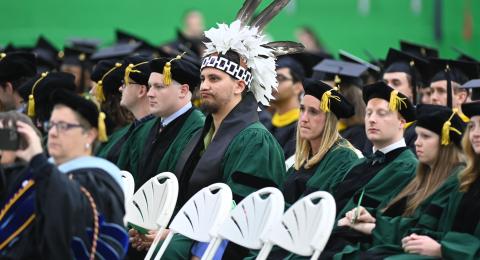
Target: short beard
{"x": 209, "y": 108}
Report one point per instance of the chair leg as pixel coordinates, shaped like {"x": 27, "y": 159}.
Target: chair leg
{"x": 316, "y": 255}
{"x": 212, "y": 248}
{"x": 164, "y": 245}
{"x": 155, "y": 243}
{"x": 265, "y": 251}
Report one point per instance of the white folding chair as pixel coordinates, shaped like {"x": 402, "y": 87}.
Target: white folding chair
{"x": 290, "y": 162}
{"x": 128, "y": 185}
{"x": 201, "y": 216}
{"x": 249, "y": 220}
{"x": 151, "y": 207}
{"x": 305, "y": 227}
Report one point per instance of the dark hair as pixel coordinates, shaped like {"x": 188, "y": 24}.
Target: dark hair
{"x": 117, "y": 115}
{"x": 16, "y": 83}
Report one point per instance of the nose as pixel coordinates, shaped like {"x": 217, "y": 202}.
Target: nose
{"x": 303, "y": 116}
{"x": 204, "y": 85}
{"x": 150, "y": 92}
{"x": 417, "y": 142}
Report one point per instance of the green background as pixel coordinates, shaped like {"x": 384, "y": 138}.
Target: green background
{"x": 339, "y": 23}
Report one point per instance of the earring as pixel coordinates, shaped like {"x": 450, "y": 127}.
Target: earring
{"x": 87, "y": 146}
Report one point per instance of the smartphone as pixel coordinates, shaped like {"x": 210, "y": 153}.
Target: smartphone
{"x": 9, "y": 139}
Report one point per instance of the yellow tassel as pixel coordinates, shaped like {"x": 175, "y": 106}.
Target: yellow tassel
{"x": 396, "y": 102}
{"x": 99, "y": 92}
{"x": 446, "y": 133}
{"x": 102, "y": 129}
{"x": 2, "y": 55}
{"x": 167, "y": 74}
{"x": 325, "y": 101}
{"x": 31, "y": 106}
{"x": 128, "y": 70}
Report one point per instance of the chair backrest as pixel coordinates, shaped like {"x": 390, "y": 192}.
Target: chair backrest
{"x": 252, "y": 217}
{"x": 153, "y": 204}
{"x": 203, "y": 213}
{"x": 128, "y": 185}
{"x": 303, "y": 222}
{"x": 290, "y": 162}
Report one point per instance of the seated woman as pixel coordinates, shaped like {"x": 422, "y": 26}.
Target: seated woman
{"x": 459, "y": 233}
{"x": 73, "y": 208}
{"x": 420, "y": 204}
{"x": 319, "y": 146}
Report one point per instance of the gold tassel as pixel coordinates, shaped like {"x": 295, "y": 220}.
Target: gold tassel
{"x": 31, "y": 106}
{"x": 396, "y": 102}
{"x": 337, "y": 81}
{"x": 128, "y": 70}
{"x": 31, "y": 98}
{"x": 2, "y": 55}
{"x": 167, "y": 74}
{"x": 167, "y": 70}
{"x": 102, "y": 129}
{"x": 446, "y": 128}
{"x": 325, "y": 101}
{"x": 99, "y": 92}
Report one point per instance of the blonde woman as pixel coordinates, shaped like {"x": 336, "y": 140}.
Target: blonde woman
{"x": 322, "y": 156}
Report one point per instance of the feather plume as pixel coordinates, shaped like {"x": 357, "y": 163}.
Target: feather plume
{"x": 268, "y": 14}
{"x": 245, "y": 14}
{"x": 280, "y": 48}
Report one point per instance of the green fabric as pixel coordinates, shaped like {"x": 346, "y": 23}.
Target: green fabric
{"x": 179, "y": 248}
{"x": 105, "y": 148}
{"x": 255, "y": 152}
{"x": 133, "y": 147}
{"x": 388, "y": 182}
{"x": 389, "y": 231}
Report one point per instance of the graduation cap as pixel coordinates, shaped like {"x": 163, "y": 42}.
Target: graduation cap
{"x": 84, "y": 107}
{"x": 471, "y": 109}
{"x": 84, "y": 44}
{"x": 418, "y": 50}
{"x": 443, "y": 121}
{"x": 464, "y": 57}
{"x": 396, "y": 100}
{"x": 453, "y": 70}
{"x": 47, "y": 54}
{"x": 75, "y": 56}
{"x": 137, "y": 68}
{"x": 117, "y": 51}
{"x": 178, "y": 69}
{"x": 474, "y": 85}
{"x": 109, "y": 75}
{"x": 373, "y": 69}
{"x": 418, "y": 68}
{"x": 339, "y": 71}
{"x": 309, "y": 60}
{"x": 38, "y": 90}
{"x": 126, "y": 37}
{"x": 330, "y": 99}
{"x": 15, "y": 65}
{"x": 295, "y": 67}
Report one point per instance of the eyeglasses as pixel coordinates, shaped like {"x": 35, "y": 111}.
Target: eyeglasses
{"x": 61, "y": 126}
{"x": 281, "y": 78}
{"x": 124, "y": 85}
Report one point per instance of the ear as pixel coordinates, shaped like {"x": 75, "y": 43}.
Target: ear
{"x": 461, "y": 97}
{"x": 92, "y": 135}
{"x": 184, "y": 90}
{"x": 239, "y": 87}
{"x": 403, "y": 122}
{"x": 9, "y": 87}
{"x": 297, "y": 88}
{"x": 142, "y": 92}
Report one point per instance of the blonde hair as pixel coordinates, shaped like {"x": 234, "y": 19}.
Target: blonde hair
{"x": 470, "y": 173}
{"x": 427, "y": 180}
{"x": 328, "y": 137}
{"x": 353, "y": 95}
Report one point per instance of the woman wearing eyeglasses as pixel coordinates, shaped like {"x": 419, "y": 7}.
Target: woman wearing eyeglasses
{"x": 72, "y": 205}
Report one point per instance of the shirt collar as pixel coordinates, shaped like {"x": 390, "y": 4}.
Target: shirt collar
{"x": 167, "y": 120}
{"x": 387, "y": 149}
{"x": 142, "y": 120}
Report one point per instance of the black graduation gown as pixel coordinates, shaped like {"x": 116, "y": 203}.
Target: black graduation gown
{"x": 285, "y": 137}
{"x": 356, "y": 136}
{"x": 63, "y": 212}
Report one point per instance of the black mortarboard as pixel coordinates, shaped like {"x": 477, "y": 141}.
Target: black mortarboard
{"x": 339, "y": 71}
{"x": 15, "y": 65}
{"x": 442, "y": 121}
{"x": 47, "y": 55}
{"x": 465, "y": 57}
{"x": 396, "y": 100}
{"x": 471, "y": 109}
{"x": 309, "y": 60}
{"x": 137, "y": 68}
{"x": 84, "y": 44}
{"x": 117, "y": 51}
{"x": 453, "y": 70}
{"x": 75, "y": 56}
{"x": 373, "y": 70}
{"x": 418, "y": 68}
{"x": 474, "y": 85}
{"x": 330, "y": 98}
{"x": 84, "y": 107}
{"x": 38, "y": 90}
{"x": 418, "y": 50}
{"x": 181, "y": 70}
{"x": 295, "y": 67}
{"x": 108, "y": 74}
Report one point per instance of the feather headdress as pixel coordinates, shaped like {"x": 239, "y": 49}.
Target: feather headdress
{"x": 244, "y": 36}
